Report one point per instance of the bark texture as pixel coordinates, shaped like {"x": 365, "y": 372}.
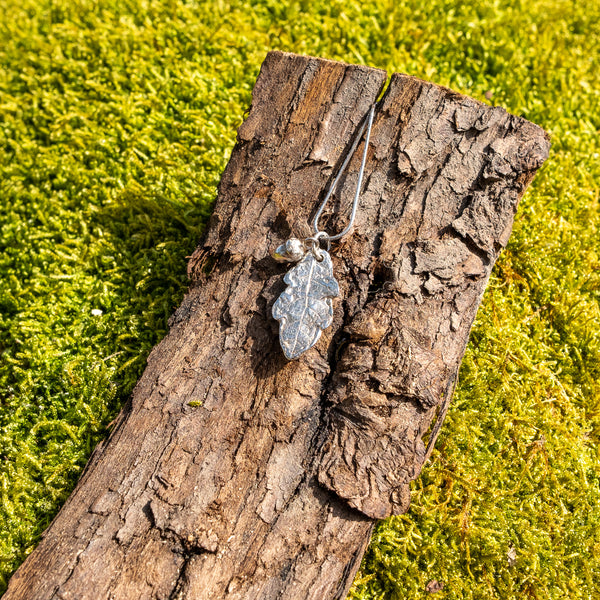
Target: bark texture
{"x": 233, "y": 473}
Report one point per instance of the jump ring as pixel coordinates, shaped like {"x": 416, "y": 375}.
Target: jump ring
{"x": 323, "y": 235}
{"x": 312, "y": 245}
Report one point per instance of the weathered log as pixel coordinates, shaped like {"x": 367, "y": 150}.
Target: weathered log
{"x": 233, "y": 473}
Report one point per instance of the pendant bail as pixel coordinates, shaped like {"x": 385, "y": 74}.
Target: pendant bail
{"x": 313, "y": 244}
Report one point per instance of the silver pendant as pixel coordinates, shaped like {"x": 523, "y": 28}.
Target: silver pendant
{"x": 304, "y": 309}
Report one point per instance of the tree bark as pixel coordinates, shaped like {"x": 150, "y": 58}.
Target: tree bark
{"x": 233, "y": 473}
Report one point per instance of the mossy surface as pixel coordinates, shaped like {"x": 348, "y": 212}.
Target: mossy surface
{"x": 117, "y": 118}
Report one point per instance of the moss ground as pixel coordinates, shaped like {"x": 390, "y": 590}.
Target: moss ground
{"x": 117, "y": 118}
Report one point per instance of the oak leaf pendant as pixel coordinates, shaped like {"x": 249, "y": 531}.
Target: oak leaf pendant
{"x": 304, "y": 308}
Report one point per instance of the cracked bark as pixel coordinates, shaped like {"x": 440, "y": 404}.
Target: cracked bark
{"x": 270, "y": 487}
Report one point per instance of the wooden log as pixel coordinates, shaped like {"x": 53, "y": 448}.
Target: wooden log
{"x": 233, "y": 473}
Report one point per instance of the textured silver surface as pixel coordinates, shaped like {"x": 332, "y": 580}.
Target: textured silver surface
{"x": 304, "y": 309}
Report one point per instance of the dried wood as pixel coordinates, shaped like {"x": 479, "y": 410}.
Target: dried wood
{"x": 234, "y": 473}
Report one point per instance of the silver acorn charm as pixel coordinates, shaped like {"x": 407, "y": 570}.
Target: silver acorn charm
{"x": 292, "y": 251}
{"x": 305, "y": 308}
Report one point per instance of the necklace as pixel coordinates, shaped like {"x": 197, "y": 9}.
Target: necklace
{"x": 305, "y": 307}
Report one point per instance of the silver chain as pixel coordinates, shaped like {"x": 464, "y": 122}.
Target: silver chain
{"x": 323, "y": 235}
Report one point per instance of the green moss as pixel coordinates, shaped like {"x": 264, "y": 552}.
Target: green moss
{"x": 116, "y": 121}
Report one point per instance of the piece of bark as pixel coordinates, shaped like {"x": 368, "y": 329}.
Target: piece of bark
{"x": 233, "y": 473}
